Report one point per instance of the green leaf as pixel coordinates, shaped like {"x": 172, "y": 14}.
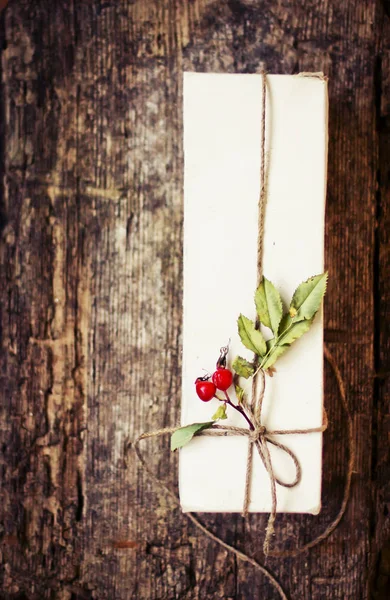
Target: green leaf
{"x": 271, "y": 343}
{"x": 239, "y": 393}
{"x": 182, "y": 436}
{"x": 269, "y": 305}
{"x": 251, "y": 338}
{"x": 277, "y": 351}
{"x": 296, "y": 331}
{"x": 243, "y": 367}
{"x": 291, "y": 330}
{"x": 307, "y": 297}
{"x": 220, "y": 413}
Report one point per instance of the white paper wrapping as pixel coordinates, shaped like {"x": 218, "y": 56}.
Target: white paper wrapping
{"x": 222, "y": 138}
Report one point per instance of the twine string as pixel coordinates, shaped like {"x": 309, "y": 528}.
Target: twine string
{"x": 260, "y": 437}
{"x": 222, "y": 431}
{"x": 262, "y": 195}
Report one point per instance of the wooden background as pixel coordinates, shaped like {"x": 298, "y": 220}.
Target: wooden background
{"x": 91, "y": 292}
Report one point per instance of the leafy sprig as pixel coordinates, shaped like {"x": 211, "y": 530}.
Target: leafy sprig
{"x": 286, "y": 328}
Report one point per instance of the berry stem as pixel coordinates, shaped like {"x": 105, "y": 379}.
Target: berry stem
{"x": 240, "y": 410}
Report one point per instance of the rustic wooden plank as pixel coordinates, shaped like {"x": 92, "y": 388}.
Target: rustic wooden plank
{"x": 380, "y": 526}
{"x": 91, "y": 293}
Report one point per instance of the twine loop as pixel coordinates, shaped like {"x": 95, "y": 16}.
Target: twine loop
{"x": 259, "y": 437}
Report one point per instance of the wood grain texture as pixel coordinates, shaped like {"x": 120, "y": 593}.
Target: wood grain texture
{"x": 91, "y": 291}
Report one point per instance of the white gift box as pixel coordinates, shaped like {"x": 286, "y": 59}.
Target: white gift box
{"x": 222, "y": 140}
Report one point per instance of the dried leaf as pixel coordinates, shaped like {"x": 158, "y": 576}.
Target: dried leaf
{"x": 220, "y": 413}
{"x": 243, "y": 367}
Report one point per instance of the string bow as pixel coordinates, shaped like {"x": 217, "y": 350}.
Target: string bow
{"x": 259, "y": 436}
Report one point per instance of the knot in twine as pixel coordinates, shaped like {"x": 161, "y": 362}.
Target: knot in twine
{"x": 259, "y": 437}
{"x": 254, "y": 436}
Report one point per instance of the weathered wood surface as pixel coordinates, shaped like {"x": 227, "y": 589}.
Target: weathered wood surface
{"x": 90, "y": 289}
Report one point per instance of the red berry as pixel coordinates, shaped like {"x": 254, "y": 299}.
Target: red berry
{"x": 223, "y": 378}
{"x": 205, "y": 389}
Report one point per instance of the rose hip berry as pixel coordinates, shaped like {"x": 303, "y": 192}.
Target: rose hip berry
{"x": 205, "y": 389}
{"x": 222, "y": 378}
